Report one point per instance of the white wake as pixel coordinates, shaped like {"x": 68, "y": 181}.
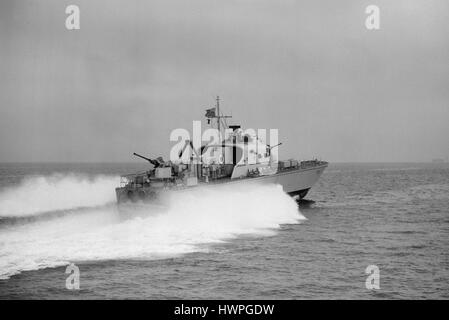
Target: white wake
{"x": 41, "y": 194}
{"x": 189, "y": 222}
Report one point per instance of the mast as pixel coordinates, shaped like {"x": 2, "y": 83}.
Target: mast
{"x": 218, "y": 113}
{"x": 214, "y": 113}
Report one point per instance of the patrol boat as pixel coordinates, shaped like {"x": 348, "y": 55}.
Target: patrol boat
{"x": 241, "y": 158}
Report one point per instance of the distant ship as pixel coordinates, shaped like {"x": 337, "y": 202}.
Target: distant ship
{"x": 211, "y": 165}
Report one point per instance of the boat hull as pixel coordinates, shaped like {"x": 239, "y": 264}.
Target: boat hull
{"x": 295, "y": 182}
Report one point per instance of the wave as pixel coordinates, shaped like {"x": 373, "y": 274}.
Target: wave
{"x": 43, "y": 194}
{"x": 187, "y": 222}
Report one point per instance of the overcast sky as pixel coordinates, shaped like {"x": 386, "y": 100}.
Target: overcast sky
{"x": 138, "y": 69}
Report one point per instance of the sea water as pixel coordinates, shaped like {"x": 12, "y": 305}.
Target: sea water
{"x": 232, "y": 242}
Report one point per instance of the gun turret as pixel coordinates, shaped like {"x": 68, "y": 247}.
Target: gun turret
{"x": 155, "y": 163}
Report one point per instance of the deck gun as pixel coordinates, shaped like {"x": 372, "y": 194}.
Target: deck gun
{"x": 155, "y": 162}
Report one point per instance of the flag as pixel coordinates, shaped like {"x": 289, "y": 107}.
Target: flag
{"x": 210, "y": 113}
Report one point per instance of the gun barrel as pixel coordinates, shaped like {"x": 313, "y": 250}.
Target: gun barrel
{"x": 140, "y": 156}
{"x": 276, "y": 145}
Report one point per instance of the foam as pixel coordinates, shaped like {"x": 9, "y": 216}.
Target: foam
{"x": 41, "y": 194}
{"x": 187, "y": 222}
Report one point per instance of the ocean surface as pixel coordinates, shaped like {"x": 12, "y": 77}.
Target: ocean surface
{"x": 227, "y": 244}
